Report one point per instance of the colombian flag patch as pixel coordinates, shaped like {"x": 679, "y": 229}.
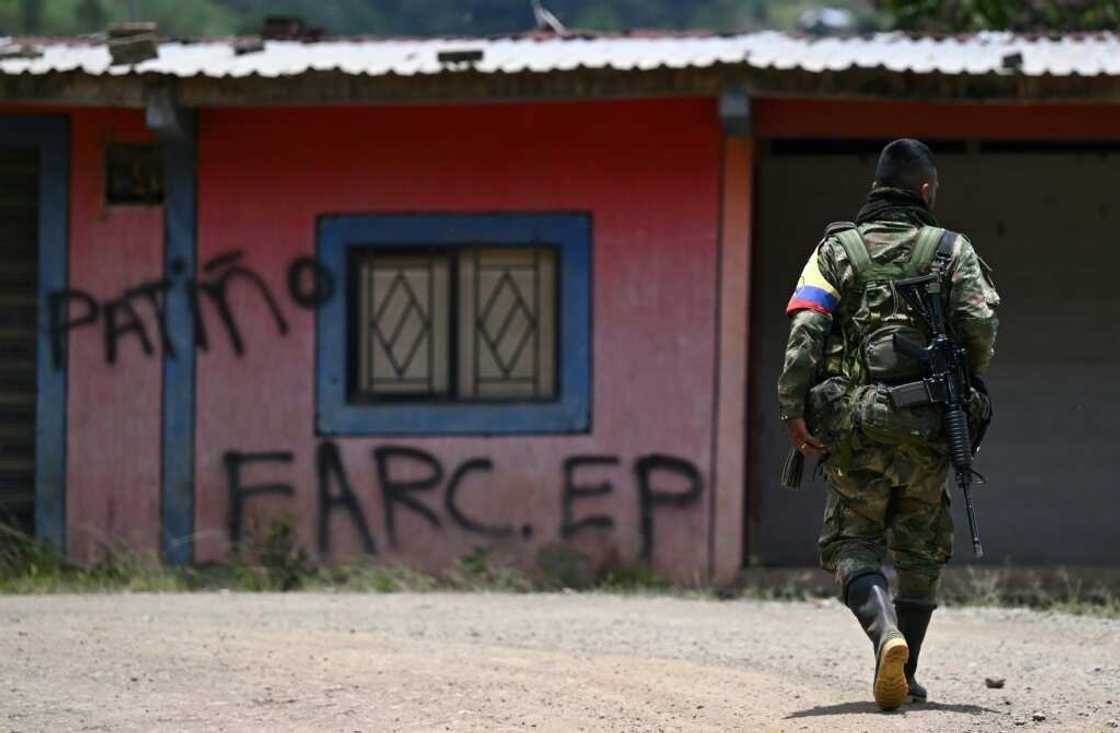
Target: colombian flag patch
{"x": 813, "y": 291}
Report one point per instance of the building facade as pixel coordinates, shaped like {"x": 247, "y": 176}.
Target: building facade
{"x": 418, "y": 312}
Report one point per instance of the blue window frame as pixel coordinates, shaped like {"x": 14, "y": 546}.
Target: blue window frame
{"x": 343, "y": 238}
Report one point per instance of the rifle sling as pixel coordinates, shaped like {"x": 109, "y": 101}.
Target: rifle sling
{"x": 945, "y": 249}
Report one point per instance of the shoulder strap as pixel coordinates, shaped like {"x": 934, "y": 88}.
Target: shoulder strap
{"x": 856, "y": 250}
{"x": 930, "y": 240}
{"x": 945, "y": 247}
{"x": 944, "y": 258}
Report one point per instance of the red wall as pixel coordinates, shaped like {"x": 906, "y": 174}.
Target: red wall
{"x": 647, "y": 171}
{"x": 113, "y": 410}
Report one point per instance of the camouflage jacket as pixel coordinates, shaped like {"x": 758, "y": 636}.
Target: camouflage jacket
{"x": 814, "y": 349}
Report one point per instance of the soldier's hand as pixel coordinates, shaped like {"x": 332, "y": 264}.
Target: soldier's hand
{"x": 802, "y": 439}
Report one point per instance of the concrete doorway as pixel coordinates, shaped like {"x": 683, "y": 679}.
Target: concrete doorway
{"x": 1045, "y": 216}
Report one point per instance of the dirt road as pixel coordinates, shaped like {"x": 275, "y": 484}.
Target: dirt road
{"x": 565, "y": 662}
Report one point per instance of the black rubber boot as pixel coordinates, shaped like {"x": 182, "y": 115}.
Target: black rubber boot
{"x": 869, "y": 599}
{"x": 913, "y": 620}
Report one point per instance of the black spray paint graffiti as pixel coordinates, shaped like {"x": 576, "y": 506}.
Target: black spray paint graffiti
{"x": 309, "y": 284}
{"x": 336, "y": 492}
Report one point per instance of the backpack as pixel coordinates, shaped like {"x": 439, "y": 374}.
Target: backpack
{"x": 876, "y": 310}
{"x": 856, "y": 394}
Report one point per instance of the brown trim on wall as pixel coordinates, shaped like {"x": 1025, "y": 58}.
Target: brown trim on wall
{"x": 729, "y": 456}
{"x": 821, "y": 118}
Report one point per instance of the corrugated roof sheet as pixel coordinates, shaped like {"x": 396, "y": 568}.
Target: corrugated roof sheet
{"x": 984, "y": 53}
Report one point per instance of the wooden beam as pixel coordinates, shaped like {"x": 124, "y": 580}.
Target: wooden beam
{"x": 727, "y": 529}
{"x": 870, "y": 119}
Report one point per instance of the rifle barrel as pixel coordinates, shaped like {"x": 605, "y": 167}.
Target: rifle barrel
{"x": 977, "y": 548}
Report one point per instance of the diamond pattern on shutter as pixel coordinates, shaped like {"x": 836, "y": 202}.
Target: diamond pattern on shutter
{"x": 404, "y": 316}
{"x": 507, "y": 323}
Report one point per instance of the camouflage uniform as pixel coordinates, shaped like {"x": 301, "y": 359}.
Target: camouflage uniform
{"x": 886, "y": 467}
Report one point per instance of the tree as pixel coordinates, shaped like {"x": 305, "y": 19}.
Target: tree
{"x": 32, "y": 11}
{"x": 960, "y": 16}
{"x": 191, "y": 18}
{"x": 91, "y": 16}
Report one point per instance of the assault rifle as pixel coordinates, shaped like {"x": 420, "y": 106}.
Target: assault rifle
{"x": 947, "y": 381}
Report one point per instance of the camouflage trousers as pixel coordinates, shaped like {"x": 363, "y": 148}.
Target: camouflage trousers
{"x": 887, "y": 499}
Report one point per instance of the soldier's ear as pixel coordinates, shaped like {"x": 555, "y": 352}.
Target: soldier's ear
{"x": 929, "y": 193}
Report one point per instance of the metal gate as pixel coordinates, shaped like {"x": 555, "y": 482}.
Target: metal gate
{"x": 19, "y": 203}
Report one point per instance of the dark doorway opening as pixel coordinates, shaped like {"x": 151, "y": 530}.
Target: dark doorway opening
{"x": 1046, "y": 218}
{"x": 19, "y": 254}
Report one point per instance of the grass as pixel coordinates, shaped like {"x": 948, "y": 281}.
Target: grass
{"x": 273, "y": 561}
{"x": 1049, "y": 589}
{"x": 1084, "y": 591}
{"x": 30, "y": 566}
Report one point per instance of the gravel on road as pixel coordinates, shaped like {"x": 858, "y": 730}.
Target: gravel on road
{"x": 540, "y": 662}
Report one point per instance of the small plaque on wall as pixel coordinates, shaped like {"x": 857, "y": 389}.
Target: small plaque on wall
{"x": 133, "y": 175}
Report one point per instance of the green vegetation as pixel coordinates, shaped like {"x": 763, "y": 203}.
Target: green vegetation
{"x": 955, "y": 16}
{"x": 1057, "y": 590}
{"x": 29, "y": 566}
{"x": 411, "y": 17}
{"x": 492, "y": 17}
{"x": 1050, "y": 589}
{"x": 274, "y": 562}
{"x": 76, "y": 17}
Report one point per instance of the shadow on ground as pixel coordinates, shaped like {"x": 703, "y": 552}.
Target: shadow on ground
{"x": 859, "y": 708}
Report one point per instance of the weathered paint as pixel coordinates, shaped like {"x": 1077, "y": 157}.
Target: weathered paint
{"x": 647, "y": 172}
{"x": 177, "y": 458}
{"x": 671, "y": 249}
{"x": 113, "y": 446}
{"x": 731, "y": 395}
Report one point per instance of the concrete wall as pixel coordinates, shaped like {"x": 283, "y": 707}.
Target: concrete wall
{"x": 670, "y": 201}
{"x": 113, "y": 409}
{"x": 668, "y": 197}
{"x": 649, "y": 175}
{"x": 1046, "y": 221}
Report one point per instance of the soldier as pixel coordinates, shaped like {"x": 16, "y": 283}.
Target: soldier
{"x": 886, "y": 466}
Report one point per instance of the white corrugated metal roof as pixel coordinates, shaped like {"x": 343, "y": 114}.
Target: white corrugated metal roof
{"x": 983, "y": 53}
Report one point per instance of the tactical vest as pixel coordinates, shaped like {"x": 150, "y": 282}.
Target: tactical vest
{"x": 872, "y": 311}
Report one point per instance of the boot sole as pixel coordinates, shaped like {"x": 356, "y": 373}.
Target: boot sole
{"x": 890, "y": 681}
